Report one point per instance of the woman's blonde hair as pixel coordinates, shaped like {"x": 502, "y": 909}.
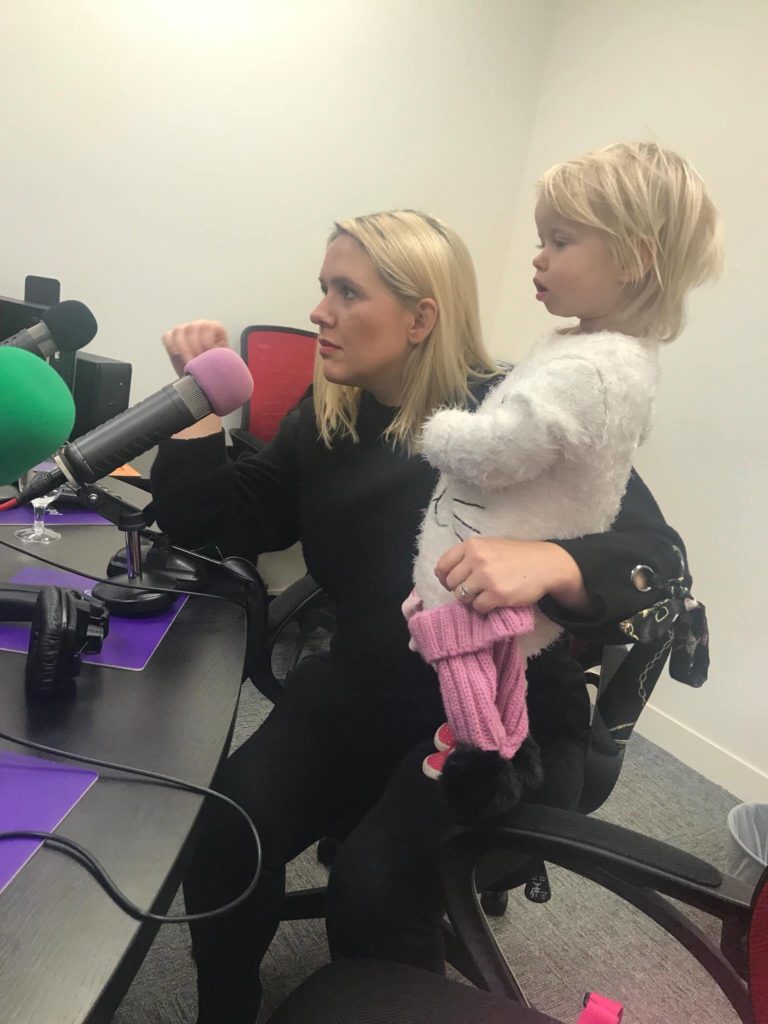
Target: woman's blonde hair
{"x": 660, "y": 224}
{"x": 417, "y": 257}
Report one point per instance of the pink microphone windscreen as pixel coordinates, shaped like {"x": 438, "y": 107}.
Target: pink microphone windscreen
{"x": 223, "y": 377}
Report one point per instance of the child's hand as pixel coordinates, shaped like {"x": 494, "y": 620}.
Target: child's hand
{"x": 490, "y": 572}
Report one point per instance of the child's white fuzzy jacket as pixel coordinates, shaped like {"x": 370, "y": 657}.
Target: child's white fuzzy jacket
{"x": 547, "y": 454}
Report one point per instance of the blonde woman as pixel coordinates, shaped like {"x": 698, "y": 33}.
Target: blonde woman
{"x": 341, "y": 752}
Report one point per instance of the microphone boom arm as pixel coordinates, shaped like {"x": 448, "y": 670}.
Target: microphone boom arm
{"x": 131, "y": 594}
{"x": 123, "y": 515}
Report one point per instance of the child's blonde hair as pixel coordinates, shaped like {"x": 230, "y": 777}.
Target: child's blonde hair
{"x": 418, "y": 257}
{"x": 660, "y": 224}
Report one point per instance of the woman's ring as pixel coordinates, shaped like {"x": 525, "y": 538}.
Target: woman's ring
{"x": 466, "y": 594}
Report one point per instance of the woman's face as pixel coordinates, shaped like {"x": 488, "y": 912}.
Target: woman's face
{"x": 365, "y": 331}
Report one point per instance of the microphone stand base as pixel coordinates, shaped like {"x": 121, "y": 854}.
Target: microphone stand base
{"x": 135, "y": 599}
{"x": 158, "y": 557}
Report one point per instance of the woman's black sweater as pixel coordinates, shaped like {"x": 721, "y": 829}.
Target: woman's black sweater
{"x": 356, "y": 509}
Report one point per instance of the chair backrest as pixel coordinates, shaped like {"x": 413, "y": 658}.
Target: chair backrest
{"x": 604, "y": 756}
{"x": 281, "y": 360}
{"x": 627, "y": 679}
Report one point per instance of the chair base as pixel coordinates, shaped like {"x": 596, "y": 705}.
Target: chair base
{"x": 327, "y": 848}
{"x": 494, "y": 903}
{"x": 304, "y": 905}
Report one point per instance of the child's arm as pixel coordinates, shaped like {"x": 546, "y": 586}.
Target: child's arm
{"x": 556, "y": 410}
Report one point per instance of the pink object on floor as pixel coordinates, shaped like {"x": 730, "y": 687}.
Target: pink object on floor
{"x": 601, "y": 1010}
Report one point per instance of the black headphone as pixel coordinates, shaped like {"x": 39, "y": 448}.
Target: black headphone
{"x": 65, "y": 625}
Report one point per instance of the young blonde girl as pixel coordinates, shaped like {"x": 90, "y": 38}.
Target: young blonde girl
{"x": 625, "y": 233}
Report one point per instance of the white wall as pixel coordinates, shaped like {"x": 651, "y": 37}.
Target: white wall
{"x": 175, "y": 159}
{"x": 692, "y": 76}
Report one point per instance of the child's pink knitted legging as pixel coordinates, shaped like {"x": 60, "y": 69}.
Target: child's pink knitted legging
{"x": 480, "y": 667}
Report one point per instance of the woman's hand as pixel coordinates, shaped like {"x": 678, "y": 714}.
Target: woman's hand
{"x": 489, "y": 572}
{"x": 186, "y": 341}
{"x": 183, "y": 343}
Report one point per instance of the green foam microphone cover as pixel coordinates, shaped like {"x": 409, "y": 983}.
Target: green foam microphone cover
{"x": 36, "y": 412}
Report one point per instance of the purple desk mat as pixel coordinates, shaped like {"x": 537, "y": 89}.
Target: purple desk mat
{"x": 130, "y": 643}
{"x": 35, "y": 795}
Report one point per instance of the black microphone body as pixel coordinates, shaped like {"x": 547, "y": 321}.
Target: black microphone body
{"x": 65, "y": 327}
{"x": 36, "y": 339}
{"x": 136, "y": 430}
{"x": 130, "y": 433}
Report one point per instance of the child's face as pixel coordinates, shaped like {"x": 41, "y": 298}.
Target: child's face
{"x": 576, "y": 275}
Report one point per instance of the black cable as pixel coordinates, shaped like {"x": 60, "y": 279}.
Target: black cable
{"x": 87, "y": 859}
{"x": 80, "y": 853}
{"x": 130, "y": 586}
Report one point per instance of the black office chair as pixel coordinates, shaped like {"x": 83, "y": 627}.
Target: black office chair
{"x": 303, "y": 603}
{"x": 620, "y": 698}
{"x": 381, "y": 992}
{"x": 641, "y": 871}
{"x": 281, "y": 360}
{"x": 618, "y": 701}
{"x": 673, "y": 630}
{"x": 637, "y": 868}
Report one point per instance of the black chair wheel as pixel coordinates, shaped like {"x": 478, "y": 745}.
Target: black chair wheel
{"x": 327, "y": 849}
{"x": 494, "y": 903}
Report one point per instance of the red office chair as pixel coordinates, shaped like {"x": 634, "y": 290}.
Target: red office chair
{"x": 281, "y": 360}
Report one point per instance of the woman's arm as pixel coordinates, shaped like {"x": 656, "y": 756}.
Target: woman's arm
{"x": 607, "y": 562}
{"x": 585, "y": 584}
{"x": 501, "y": 573}
{"x": 200, "y": 496}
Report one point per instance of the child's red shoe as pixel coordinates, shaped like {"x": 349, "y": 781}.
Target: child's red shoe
{"x": 433, "y": 764}
{"x": 444, "y": 738}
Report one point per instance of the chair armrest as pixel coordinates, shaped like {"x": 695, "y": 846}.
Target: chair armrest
{"x": 294, "y": 604}
{"x": 244, "y": 443}
{"x": 583, "y": 844}
{"x": 302, "y": 595}
{"x": 634, "y": 867}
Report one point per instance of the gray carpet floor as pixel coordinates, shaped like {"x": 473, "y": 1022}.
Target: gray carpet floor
{"x": 583, "y": 939}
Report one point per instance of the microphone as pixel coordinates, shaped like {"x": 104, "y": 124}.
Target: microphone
{"x": 65, "y": 327}
{"x": 215, "y": 381}
{"x": 36, "y": 412}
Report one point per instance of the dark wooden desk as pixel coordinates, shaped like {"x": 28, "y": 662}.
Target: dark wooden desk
{"x": 67, "y": 954}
